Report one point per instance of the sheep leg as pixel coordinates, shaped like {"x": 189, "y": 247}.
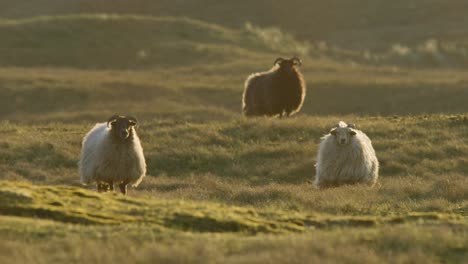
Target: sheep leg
{"x": 101, "y": 187}
{"x": 123, "y": 187}
{"x": 111, "y": 186}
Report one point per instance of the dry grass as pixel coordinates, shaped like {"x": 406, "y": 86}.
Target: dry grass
{"x": 132, "y": 244}
{"x": 204, "y": 157}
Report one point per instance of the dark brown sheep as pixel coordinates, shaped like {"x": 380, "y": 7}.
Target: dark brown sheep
{"x": 279, "y": 91}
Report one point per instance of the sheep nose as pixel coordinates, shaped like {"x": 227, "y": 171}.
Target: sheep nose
{"x": 343, "y": 141}
{"x": 124, "y": 134}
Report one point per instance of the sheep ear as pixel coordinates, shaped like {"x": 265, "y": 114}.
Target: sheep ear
{"x": 112, "y": 119}
{"x": 278, "y": 60}
{"x": 133, "y": 121}
{"x": 352, "y": 133}
{"x": 297, "y": 61}
{"x": 333, "y": 131}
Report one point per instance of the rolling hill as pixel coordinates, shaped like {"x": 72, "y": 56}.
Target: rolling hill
{"x": 222, "y": 188}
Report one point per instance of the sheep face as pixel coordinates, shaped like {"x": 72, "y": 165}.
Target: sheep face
{"x": 288, "y": 65}
{"x": 343, "y": 135}
{"x": 122, "y": 126}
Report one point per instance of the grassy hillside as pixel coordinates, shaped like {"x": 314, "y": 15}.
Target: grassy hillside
{"x": 134, "y": 41}
{"x": 114, "y": 41}
{"x": 112, "y": 228}
{"x": 266, "y": 163}
{"x": 363, "y": 24}
{"x": 220, "y": 188}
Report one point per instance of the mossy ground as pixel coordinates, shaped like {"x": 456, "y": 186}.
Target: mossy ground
{"x": 86, "y": 226}
{"x": 220, "y": 187}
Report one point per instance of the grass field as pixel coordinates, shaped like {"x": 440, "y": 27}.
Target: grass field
{"x": 222, "y": 188}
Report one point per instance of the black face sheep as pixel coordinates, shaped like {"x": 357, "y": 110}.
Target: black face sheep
{"x": 346, "y": 156}
{"x": 279, "y": 91}
{"x": 112, "y": 153}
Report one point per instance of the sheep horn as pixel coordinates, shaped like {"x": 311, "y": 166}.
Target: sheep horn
{"x": 296, "y": 61}
{"x": 352, "y": 126}
{"x": 112, "y": 119}
{"x": 132, "y": 118}
{"x": 278, "y": 60}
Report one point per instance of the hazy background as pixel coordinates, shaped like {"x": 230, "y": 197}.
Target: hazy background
{"x": 357, "y": 25}
{"x": 411, "y": 55}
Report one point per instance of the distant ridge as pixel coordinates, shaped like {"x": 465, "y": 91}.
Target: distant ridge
{"x": 127, "y": 41}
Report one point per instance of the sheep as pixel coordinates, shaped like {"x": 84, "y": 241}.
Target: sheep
{"x": 112, "y": 153}
{"x": 279, "y": 91}
{"x": 346, "y": 156}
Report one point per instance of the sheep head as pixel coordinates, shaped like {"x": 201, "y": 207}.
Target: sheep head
{"x": 343, "y": 133}
{"x": 288, "y": 65}
{"x": 122, "y": 126}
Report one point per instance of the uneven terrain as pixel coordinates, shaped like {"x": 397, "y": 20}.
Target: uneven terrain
{"x": 222, "y": 188}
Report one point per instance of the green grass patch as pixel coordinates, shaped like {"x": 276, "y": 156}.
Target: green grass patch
{"x": 78, "y": 206}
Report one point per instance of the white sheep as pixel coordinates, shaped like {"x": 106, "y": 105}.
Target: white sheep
{"x": 346, "y": 156}
{"x": 112, "y": 153}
